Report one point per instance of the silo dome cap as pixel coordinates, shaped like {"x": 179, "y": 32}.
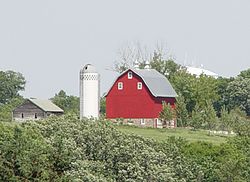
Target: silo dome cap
{"x": 88, "y": 68}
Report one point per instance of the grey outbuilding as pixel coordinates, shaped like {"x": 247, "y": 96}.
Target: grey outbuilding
{"x": 33, "y": 109}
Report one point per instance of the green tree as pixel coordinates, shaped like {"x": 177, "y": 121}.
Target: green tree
{"x": 239, "y": 122}
{"x": 167, "y": 114}
{"x": 103, "y": 106}
{"x": 6, "y": 109}
{"x": 167, "y": 67}
{"x": 10, "y": 84}
{"x": 210, "y": 116}
{"x": 245, "y": 74}
{"x": 197, "y": 120}
{"x": 181, "y": 111}
{"x": 195, "y": 90}
{"x": 24, "y": 154}
{"x": 239, "y": 94}
{"x": 70, "y": 104}
{"x": 225, "y": 119}
{"x": 222, "y": 101}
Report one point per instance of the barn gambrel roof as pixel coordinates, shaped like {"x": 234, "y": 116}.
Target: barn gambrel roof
{"x": 158, "y": 84}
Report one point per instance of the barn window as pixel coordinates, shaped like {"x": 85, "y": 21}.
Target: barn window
{"x": 139, "y": 85}
{"x": 35, "y": 115}
{"x": 120, "y": 85}
{"x": 142, "y": 122}
{"x": 130, "y": 75}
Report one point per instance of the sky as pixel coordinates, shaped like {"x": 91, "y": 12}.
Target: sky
{"x": 49, "y": 41}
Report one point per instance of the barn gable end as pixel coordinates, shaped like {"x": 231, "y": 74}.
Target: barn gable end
{"x": 139, "y": 97}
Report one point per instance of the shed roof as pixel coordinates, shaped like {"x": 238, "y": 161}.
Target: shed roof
{"x": 46, "y": 105}
{"x": 157, "y": 83}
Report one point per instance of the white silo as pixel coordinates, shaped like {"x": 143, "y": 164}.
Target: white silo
{"x": 89, "y": 92}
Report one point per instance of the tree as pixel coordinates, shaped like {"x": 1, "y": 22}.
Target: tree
{"x": 225, "y": 119}
{"x": 103, "y": 106}
{"x": 70, "y": 104}
{"x": 195, "y": 90}
{"x": 197, "y": 120}
{"x": 182, "y": 83}
{"x": 10, "y": 84}
{"x": 239, "y": 122}
{"x": 238, "y": 94}
{"x": 167, "y": 114}
{"x": 24, "y": 154}
{"x": 129, "y": 55}
{"x": 222, "y": 84}
{"x": 167, "y": 67}
{"x": 210, "y": 115}
{"x": 181, "y": 111}
{"x": 6, "y": 109}
{"x": 136, "y": 53}
{"x": 245, "y": 74}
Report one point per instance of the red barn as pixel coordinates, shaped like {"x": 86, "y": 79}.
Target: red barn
{"x": 137, "y": 95}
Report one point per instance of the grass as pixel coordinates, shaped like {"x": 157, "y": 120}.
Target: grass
{"x": 162, "y": 134}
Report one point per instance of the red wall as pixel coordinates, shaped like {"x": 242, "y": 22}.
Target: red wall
{"x": 131, "y": 102}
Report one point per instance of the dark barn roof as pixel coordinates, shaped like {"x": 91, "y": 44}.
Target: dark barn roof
{"x": 157, "y": 83}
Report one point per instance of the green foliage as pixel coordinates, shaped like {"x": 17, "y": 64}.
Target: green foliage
{"x": 167, "y": 113}
{"x": 166, "y": 67}
{"x": 242, "y": 143}
{"x": 24, "y": 154}
{"x": 6, "y": 109}
{"x": 225, "y": 120}
{"x": 222, "y": 101}
{"x": 197, "y": 120}
{"x": 10, "y": 84}
{"x": 70, "y": 104}
{"x": 195, "y": 90}
{"x": 103, "y": 106}
{"x": 66, "y": 149}
{"x": 238, "y": 94}
{"x": 182, "y": 84}
{"x": 245, "y": 74}
{"x": 210, "y": 116}
{"x": 181, "y": 111}
{"x": 204, "y": 117}
{"x": 239, "y": 123}
{"x": 232, "y": 164}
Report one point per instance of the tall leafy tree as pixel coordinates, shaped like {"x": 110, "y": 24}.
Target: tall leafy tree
{"x": 225, "y": 119}
{"x": 181, "y": 111}
{"x": 195, "y": 90}
{"x": 167, "y": 67}
{"x": 167, "y": 114}
{"x": 6, "y": 109}
{"x": 197, "y": 120}
{"x": 238, "y": 92}
{"x": 10, "y": 84}
{"x": 69, "y": 103}
{"x": 222, "y": 101}
{"x": 210, "y": 116}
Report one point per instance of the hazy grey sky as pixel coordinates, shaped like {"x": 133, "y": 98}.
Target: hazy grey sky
{"x": 48, "y": 41}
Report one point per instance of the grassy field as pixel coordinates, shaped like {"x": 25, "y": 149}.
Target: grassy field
{"x": 162, "y": 134}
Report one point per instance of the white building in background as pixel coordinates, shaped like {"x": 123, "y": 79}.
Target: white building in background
{"x": 198, "y": 71}
{"x": 89, "y": 92}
